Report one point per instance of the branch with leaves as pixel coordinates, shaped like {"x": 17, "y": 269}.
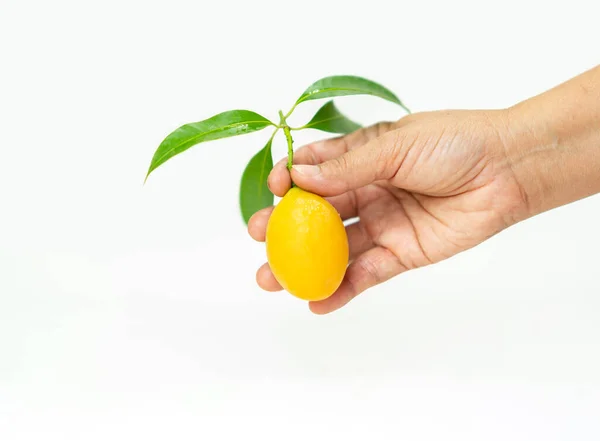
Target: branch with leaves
{"x": 254, "y": 193}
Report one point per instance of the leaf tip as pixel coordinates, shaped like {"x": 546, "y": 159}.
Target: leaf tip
{"x": 148, "y": 174}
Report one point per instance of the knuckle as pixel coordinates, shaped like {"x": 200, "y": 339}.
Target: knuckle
{"x": 393, "y": 139}
{"x": 310, "y": 154}
{"x": 306, "y": 154}
{"x": 367, "y": 275}
{"x": 340, "y": 164}
{"x": 383, "y": 127}
{"x": 365, "y": 134}
{"x": 407, "y": 119}
{"x": 386, "y": 153}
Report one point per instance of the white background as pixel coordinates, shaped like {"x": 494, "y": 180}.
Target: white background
{"x": 131, "y": 312}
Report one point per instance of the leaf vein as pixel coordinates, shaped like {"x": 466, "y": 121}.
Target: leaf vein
{"x": 351, "y": 89}
{"x": 193, "y": 138}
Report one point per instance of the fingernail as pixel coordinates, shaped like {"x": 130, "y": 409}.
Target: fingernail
{"x": 307, "y": 170}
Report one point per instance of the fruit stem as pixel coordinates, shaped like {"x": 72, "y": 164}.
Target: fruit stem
{"x": 290, "y": 141}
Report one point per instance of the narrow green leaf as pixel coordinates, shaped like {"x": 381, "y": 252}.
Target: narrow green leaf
{"x": 222, "y": 125}
{"x": 254, "y": 192}
{"x": 329, "y": 119}
{"x": 341, "y": 85}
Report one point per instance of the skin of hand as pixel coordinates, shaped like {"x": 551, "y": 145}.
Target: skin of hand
{"x": 434, "y": 184}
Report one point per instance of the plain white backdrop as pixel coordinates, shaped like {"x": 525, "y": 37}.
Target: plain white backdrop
{"x": 130, "y": 311}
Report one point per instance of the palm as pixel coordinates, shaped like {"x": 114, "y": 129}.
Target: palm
{"x": 420, "y": 229}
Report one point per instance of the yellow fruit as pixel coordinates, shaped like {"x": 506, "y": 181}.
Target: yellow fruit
{"x": 307, "y": 246}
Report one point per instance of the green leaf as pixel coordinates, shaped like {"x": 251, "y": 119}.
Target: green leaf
{"x": 254, "y": 192}
{"x": 329, "y": 119}
{"x": 342, "y": 85}
{"x": 222, "y": 125}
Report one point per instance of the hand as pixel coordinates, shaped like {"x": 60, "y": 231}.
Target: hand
{"x": 423, "y": 189}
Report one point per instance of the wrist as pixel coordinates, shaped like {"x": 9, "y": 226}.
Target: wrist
{"x": 553, "y": 146}
{"x": 527, "y": 147}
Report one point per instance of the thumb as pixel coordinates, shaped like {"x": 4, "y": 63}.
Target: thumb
{"x": 378, "y": 159}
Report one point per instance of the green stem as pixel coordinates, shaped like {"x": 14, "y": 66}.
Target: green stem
{"x": 288, "y": 137}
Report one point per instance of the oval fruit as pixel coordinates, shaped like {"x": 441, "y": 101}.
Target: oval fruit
{"x": 307, "y": 246}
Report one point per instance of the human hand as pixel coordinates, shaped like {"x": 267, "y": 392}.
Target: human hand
{"x": 423, "y": 189}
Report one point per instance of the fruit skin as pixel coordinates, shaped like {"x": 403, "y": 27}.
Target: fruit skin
{"x": 307, "y": 245}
